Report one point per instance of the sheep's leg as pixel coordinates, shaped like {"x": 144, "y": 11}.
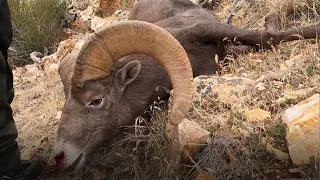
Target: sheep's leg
{"x": 272, "y": 22}
{"x": 220, "y": 32}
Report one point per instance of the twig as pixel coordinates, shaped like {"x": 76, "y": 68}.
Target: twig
{"x": 235, "y": 9}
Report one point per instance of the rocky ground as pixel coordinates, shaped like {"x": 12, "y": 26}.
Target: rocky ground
{"x": 247, "y": 106}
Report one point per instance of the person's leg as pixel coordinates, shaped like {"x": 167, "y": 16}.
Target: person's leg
{"x": 11, "y": 166}
{"x": 9, "y": 151}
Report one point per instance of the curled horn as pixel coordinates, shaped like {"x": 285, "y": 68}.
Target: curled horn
{"x": 106, "y": 46}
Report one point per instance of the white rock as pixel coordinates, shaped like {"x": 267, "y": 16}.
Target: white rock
{"x": 36, "y": 56}
{"x": 257, "y": 115}
{"x": 291, "y": 62}
{"x": 58, "y": 116}
{"x": 302, "y": 130}
{"x": 191, "y": 136}
{"x": 65, "y": 47}
{"x": 191, "y": 132}
{"x": 51, "y": 68}
{"x": 278, "y": 153}
{"x": 95, "y": 23}
{"x": 32, "y": 70}
{"x": 260, "y": 86}
{"x": 229, "y": 90}
{"x": 87, "y": 14}
{"x": 98, "y": 22}
{"x": 187, "y": 138}
{"x": 294, "y": 94}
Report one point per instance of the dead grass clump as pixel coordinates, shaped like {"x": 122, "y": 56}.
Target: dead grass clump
{"x": 141, "y": 153}
{"x": 127, "y": 4}
{"x": 226, "y": 158}
{"x": 295, "y": 9}
{"x": 291, "y": 12}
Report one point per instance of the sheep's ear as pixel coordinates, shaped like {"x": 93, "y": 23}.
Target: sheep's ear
{"x": 127, "y": 74}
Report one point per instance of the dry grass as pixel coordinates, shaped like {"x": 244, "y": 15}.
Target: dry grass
{"x": 291, "y": 12}
{"x": 234, "y": 151}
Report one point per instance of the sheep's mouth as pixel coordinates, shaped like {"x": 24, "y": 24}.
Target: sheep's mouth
{"x": 74, "y": 165}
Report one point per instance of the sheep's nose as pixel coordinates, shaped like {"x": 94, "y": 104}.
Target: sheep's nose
{"x": 59, "y": 158}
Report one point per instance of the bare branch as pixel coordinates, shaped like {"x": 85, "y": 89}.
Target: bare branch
{"x": 235, "y": 9}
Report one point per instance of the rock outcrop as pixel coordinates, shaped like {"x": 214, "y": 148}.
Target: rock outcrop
{"x": 303, "y": 130}
{"x": 192, "y": 138}
{"x": 256, "y": 115}
{"x": 228, "y": 90}
{"x": 101, "y": 8}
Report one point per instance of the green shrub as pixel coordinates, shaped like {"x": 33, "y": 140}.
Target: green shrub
{"x": 37, "y": 24}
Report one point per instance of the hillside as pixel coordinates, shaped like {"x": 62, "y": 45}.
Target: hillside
{"x": 271, "y": 80}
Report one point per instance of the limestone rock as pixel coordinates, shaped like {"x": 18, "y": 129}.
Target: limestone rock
{"x": 108, "y": 7}
{"x": 80, "y": 5}
{"x": 302, "y": 130}
{"x": 80, "y": 25}
{"x": 98, "y": 22}
{"x": 190, "y": 131}
{"x": 121, "y": 15}
{"x": 78, "y": 45}
{"x": 52, "y": 68}
{"x": 191, "y": 138}
{"x": 194, "y": 1}
{"x": 36, "y": 56}
{"x": 51, "y": 63}
{"x": 65, "y": 47}
{"x": 228, "y": 90}
{"x": 87, "y": 14}
{"x": 102, "y": 8}
{"x": 58, "y": 116}
{"x": 95, "y": 22}
{"x": 291, "y": 62}
{"x": 33, "y": 71}
{"x": 205, "y": 175}
{"x": 256, "y": 115}
{"x": 68, "y": 46}
{"x": 278, "y": 153}
{"x": 294, "y": 94}
{"x": 49, "y": 59}
{"x": 260, "y": 86}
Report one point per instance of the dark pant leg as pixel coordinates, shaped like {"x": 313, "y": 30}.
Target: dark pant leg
{"x": 9, "y": 151}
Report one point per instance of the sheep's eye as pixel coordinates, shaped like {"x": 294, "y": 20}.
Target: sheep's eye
{"x": 95, "y": 102}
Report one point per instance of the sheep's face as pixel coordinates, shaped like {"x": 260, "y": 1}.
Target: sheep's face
{"x": 92, "y": 114}
{"x": 103, "y": 95}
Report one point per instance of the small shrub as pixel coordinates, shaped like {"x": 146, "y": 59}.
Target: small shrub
{"x": 127, "y": 4}
{"x": 278, "y": 132}
{"x": 37, "y": 25}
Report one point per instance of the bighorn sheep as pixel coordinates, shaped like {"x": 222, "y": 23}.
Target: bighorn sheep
{"x": 113, "y": 78}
